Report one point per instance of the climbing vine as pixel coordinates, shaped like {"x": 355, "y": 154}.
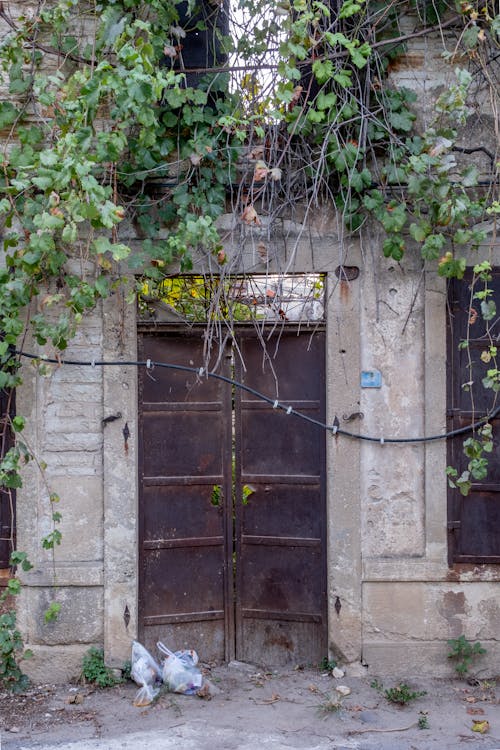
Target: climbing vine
{"x": 109, "y": 130}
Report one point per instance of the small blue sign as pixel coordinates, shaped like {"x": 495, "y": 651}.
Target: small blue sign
{"x": 371, "y": 379}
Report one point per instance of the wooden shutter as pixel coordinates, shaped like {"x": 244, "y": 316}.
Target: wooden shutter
{"x": 474, "y": 520}
{"x": 7, "y": 497}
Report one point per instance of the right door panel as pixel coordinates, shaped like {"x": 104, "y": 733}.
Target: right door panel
{"x": 280, "y": 502}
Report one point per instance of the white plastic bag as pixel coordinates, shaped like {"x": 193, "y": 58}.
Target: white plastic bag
{"x": 180, "y": 673}
{"x": 145, "y": 672}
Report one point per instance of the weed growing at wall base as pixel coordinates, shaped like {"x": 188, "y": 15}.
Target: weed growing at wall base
{"x": 95, "y": 671}
{"x": 463, "y": 652}
{"x": 11, "y": 652}
{"x": 401, "y": 694}
{"x": 327, "y": 664}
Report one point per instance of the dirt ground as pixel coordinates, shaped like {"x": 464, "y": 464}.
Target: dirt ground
{"x": 251, "y": 707}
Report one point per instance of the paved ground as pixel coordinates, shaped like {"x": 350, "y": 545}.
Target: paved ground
{"x": 252, "y": 708}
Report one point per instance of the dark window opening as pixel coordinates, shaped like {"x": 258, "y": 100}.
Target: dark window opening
{"x": 198, "y": 46}
{"x": 473, "y": 520}
{"x": 7, "y": 496}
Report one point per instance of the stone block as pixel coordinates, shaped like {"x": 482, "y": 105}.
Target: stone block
{"x": 415, "y": 611}
{"x": 409, "y": 660}
{"x": 72, "y": 463}
{"x": 79, "y": 621}
{"x": 55, "y": 664}
{"x": 81, "y": 508}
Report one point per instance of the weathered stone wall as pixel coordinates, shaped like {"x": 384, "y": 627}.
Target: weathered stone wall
{"x": 386, "y": 503}
{"x": 412, "y": 601}
{"x": 387, "y": 556}
{"x": 64, "y": 430}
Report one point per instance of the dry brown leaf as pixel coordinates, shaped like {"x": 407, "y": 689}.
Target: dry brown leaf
{"x": 472, "y": 316}
{"x": 475, "y": 711}
{"x": 260, "y": 172}
{"x": 296, "y": 96}
{"x": 257, "y": 152}
{"x": 250, "y": 216}
{"x": 204, "y": 692}
{"x": 75, "y": 698}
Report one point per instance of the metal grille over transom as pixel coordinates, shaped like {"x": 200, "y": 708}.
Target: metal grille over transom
{"x": 232, "y": 500}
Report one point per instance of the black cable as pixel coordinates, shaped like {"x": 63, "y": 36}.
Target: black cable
{"x": 202, "y": 371}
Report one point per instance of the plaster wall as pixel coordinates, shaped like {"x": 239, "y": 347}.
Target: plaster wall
{"x": 64, "y": 431}
{"x": 392, "y": 600}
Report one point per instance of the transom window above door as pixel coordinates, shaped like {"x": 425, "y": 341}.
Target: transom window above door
{"x": 293, "y": 298}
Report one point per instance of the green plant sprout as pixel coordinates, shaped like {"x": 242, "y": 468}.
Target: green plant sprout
{"x": 423, "y": 720}
{"x": 401, "y": 694}
{"x": 463, "y": 652}
{"x": 95, "y": 671}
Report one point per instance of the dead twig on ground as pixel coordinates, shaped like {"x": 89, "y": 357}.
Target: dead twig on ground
{"x": 396, "y": 729}
{"x": 268, "y": 701}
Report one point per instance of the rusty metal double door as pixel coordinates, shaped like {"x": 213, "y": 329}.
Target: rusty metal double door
{"x": 232, "y": 551}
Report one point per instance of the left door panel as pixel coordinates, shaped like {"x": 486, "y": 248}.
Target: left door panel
{"x": 185, "y": 434}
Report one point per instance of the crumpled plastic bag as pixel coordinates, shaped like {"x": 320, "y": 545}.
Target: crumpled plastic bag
{"x": 145, "y": 672}
{"x": 180, "y": 673}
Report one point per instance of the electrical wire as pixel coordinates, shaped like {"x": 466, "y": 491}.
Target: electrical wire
{"x": 334, "y": 428}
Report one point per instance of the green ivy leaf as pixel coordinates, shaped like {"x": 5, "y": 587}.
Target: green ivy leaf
{"x": 462, "y": 236}
{"x": 101, "y": 284}
{"x": 13, "y": 586}
{"x": 360, "y": 180}
{"x": 432, "y": 247}
{"x": 323, "y": 70}
{"x": 470, "y": 36}
{"x": 393, "y": 247}
{"x": 5, "y": 206}
{"x": 394, "y": 218}
{"x": 52, "y": 612}
{"x": 8, "y": 114}
{"x": 20, "y": 84}
{"x": 49, "y": 158}
{"x": 470, "y": 176}
{"x": 314, "y": 116}
{"x": 420, "y": 231}
{"x": 18, "y": 558}
{"x": 18, "y": 423}
{"x": 374, "y": 200}
{"x": 343, "y": 78}
{"x": 69, "y": 233}
{"x": 326, "y": 101}
{"x": 402, "y": 121}
{"x": 350, "y": 8}
{"x": 488, "y": 309}
{"x": 451, "y": 267}
{"x": 175, "y": 97}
